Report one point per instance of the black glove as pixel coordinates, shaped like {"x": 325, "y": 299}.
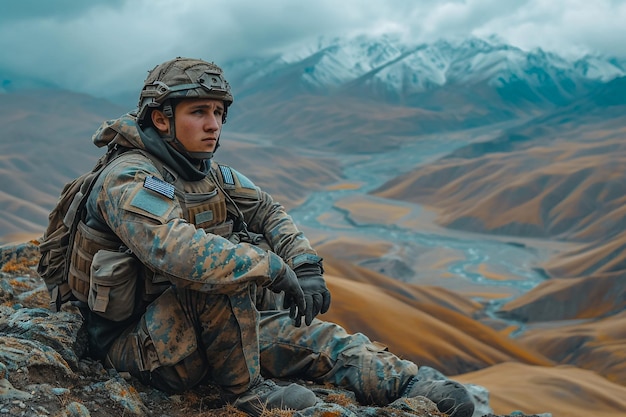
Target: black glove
{"x": 316, "y": 293}
{"x": 286, "y": 281}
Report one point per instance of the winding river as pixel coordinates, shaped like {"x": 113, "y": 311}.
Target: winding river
{"x": 518, "y": 261}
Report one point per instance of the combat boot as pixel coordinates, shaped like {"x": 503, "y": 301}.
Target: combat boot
{"x": 450, "y": 396}
{"x": 267, "y": 396}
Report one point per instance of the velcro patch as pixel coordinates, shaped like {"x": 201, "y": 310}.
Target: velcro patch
{"x": 227, "y": 175}
{"x": 151, "y": 203}
{"x": 159, "y": 186}
{"x": 205, "y": 216}
{"x": 244, "y": 181}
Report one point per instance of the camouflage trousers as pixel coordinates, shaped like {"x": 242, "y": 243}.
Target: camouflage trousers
{"x": 187, "y": 337}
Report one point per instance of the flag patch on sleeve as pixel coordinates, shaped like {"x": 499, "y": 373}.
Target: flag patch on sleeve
{"x": 159, "y": 186}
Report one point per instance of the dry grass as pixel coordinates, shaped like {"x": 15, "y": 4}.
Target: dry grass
{"x": 341, "y": 399}
{"x": 19, "y": 266}
{"x": 231, "y": 411}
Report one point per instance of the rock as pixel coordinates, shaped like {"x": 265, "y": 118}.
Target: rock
{"x": 18, "y": 353}
{"x": 125, "y": 395}
{"x": 75, "y": 409}
{"x": 8, "y": 392}
{"x": 62, "y": 331}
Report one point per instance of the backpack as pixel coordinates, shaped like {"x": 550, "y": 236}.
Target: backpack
{"x": 58, "y": 239}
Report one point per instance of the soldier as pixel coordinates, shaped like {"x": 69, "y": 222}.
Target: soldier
{"x": 185, "y": 257}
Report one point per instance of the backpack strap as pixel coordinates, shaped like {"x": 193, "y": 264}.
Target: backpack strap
{"x": 62, "y": 292}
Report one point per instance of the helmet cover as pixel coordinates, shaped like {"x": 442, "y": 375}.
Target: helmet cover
{"x": 182, "y": 78}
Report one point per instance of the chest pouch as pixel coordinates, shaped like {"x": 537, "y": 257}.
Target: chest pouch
{"x": 204, "y": 208}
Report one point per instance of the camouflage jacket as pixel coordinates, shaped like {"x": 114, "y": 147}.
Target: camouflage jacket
{"x": 154, "y": 226}
{"x": 162, "y": 226}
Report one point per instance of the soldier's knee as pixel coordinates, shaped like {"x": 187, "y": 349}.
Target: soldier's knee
{"x": 136, "y": 353}
{"x": 378, "y": 375}
{"x": 179, "y": 377}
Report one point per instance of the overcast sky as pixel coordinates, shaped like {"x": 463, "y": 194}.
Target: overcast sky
{"x": 110, "y": 45}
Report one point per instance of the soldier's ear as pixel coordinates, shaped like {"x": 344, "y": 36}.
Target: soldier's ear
{"x": 160, "y": 121}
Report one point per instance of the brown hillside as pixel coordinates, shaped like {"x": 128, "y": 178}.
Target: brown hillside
{"x": 561, "y": 181}
{"x": 45, "y": 141}
{"x": 562, "y": 391}
{"x": 570, "y": 298}
{"x": 432, "y": 332}
{"x": 569, "y": 190}
{"x": 349, "y": 124}
{"x": 600, "y": 257}
{"x": 285, "y": 174}
{"x": 597, "y": 345}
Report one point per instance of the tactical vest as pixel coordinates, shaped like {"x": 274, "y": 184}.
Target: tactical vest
{"x": 203, "y": 204}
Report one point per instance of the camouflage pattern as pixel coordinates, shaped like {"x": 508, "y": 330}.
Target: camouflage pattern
{"x": 183, "y": 78}
{"x": 188, "y": 336}
{"x": 325, "y": 353}
{"x": 261, "y": 213}
{"x": 206, "y": 324}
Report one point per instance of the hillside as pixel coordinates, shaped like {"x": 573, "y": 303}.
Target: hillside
{"x": 557, "y": 178}
{"x": 45, "y": 142}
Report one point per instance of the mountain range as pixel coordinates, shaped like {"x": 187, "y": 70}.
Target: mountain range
{"x": 398, "y": 72}
{"x": 382, "y": 87}
{"x": 402, "y": 162}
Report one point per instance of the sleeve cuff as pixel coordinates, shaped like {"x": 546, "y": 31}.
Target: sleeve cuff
{"x": 305, "y": 258}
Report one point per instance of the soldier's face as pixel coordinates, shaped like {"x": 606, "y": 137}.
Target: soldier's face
{"x": 198, "y": 123}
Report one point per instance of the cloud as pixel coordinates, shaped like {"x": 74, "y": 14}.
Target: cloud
{"x": 58, "y": 9}
{"x": 461, "y": 18}
{"x": 569, "y": 27}
{"x": 109, "y": 45}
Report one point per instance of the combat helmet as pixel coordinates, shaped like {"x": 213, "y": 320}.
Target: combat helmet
{"x": 182, "y": 78}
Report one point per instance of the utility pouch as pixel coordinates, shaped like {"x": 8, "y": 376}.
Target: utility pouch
{"x": 204, "y": 209}
{"x": 113, "y": 284}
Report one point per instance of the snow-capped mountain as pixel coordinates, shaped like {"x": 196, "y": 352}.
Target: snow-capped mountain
{"x": 387, "y": 67}
{"x": 368, "y": 88}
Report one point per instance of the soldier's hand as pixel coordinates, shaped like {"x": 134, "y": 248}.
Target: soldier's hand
{"x": 316, "y": 294}
{"x": 285, "y": 280}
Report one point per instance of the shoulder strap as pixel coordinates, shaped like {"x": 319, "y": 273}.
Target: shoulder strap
{"x": 80, "y": 199}
{"x": 79, "y": 202}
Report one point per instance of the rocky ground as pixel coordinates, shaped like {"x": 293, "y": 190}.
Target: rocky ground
{"x": 44, "y": 370}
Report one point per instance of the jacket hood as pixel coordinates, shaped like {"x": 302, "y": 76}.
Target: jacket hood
{"x": 125, "y": 132}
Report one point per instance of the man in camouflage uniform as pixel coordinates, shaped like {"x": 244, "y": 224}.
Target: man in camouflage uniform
{"x": 212, "y": 250}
